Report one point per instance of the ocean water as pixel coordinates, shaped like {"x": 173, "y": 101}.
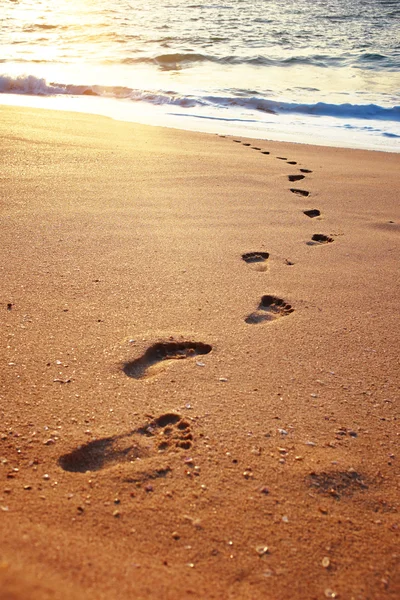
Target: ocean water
{"x": 312, "y": 71}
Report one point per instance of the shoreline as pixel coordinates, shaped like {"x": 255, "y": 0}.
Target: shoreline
{"x": 151, "y": 115}
{"x": 198, "y": 398}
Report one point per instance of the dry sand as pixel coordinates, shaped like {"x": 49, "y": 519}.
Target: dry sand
{"x": 264, "y": 468}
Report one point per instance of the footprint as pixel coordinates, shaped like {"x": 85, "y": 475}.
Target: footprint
{"x": 281, "y": 158}
{"x": 146, "y": 365}
{"x": 291, "y": 162}
{"x": 167, "y": 432}
{"x": 320, "y": 238}
{"x": 265, "y": 152}
{"x": 246, "y": 144}
{"x": 257, "y": 258}
{"x": 313, "y": 212}
{"x": 300, "y": 192}
{"x": 238, "y": 141}
{"x": 255, "y": 148}
{"x": 305, "y": 171}
{"x": 269, "y": 309}
{"x": 295, "y": 177}
{"x": 336, "y": 483}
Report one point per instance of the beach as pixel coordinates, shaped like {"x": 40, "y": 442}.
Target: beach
{"x": 198, "y": 398}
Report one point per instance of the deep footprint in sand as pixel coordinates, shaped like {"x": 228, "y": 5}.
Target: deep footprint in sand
{"x": 299, "y": 192}
{"x": 269, "y": 309}
{"x": 162, "y": 434}
{"x": 147, "y": 365}
{"x": 258, "y": 259}
{"x": 295, "y": 177}
{"x": 320, "y": 238}
{"x": 312, "y": 213}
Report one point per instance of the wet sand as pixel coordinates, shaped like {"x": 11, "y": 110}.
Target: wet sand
{"x": 197, "y": 398}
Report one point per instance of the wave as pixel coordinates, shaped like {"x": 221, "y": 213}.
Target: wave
{"x": 244, "y": 99}
{"x": 176, "y": 60}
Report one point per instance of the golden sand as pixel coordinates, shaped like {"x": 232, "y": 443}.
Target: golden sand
{"x": 197, "y": 398}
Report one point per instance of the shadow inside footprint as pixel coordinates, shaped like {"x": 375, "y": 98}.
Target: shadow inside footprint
{"x": 336, "y": 484}
{"x": 255, "y": 257}
{"x": 295, "y": 177}
{"x": 305, "y": 171}
{"x": 320, "y": 238}
{"x": 166, "y": 432}
{"x": 299, "y": 192}
{"x": 291, "y": 162}
{"x": 245, "y": 144}
{"x": 255, "y": 148}
{"x": 163, "y": 351}
{"x": 269, "y": 309}
{"x": 312, "y": 213}
{"x": 265, "y": 152}
{"x": 281, "y": 158}
{"x": 98, "y": 454}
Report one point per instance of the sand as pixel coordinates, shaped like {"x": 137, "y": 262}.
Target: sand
{"x": 178, "y": 421}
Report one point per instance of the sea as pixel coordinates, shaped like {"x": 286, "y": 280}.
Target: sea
{"x": 325, "y": 72}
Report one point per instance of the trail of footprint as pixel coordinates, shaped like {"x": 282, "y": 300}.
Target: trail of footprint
{"x": 300, "y": 192}
{"x": 164, "y": 433}
{"x": 312, "y": 213}
{"x": 295, "y": 177}
{"x": 320, "y": 238}
{"x": 269, "y": 309}
{"x": 148, "y": 364}
{"x": 258, "y": 259}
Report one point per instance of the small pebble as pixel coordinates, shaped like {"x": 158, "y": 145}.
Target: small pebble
{"x": 46, "y": 477}
{"x": 116, "y": 514}
{"x": 223, "y": 379}
{"x": 285, "y": 519}
{"x": 330, "y": 593}
{"x": 326, "y": 562}
{"x": 262, "y": 550}
{"x": 200, "y": 364}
